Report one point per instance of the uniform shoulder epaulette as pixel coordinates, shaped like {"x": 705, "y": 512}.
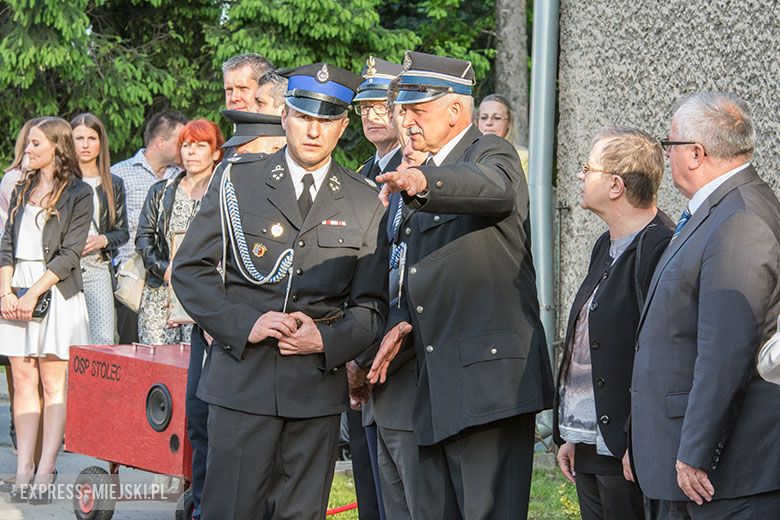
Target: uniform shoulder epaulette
{"x": 246, "y": 158}
{"x": 365, "y": 181}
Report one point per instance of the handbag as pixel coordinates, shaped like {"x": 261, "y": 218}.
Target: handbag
{"x": 41, "y": 306}
{"x": 130, "y": 281}
{"x": 768, "y": 364}
{"x": 131, "y": 275}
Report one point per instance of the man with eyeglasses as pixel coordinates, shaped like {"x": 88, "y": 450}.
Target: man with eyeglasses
{"x": 467, "y": 302}
{"x": 704, "y": 424}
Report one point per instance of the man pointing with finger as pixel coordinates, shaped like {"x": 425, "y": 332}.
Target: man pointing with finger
{"x": 468, "y": 302}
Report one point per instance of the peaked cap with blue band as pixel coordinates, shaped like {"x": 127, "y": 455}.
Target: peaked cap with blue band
{"x": 249, "y": 126}
{"x": 377, "y": 75}
{"x": 426, "y": 77}
{"x": 320, "y": 90}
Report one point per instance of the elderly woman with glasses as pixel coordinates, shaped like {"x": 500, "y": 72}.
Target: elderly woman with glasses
{"x": 618, "y": 183}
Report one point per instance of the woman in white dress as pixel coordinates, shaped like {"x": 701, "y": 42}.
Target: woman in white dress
{"x": 108, "y": 229}
{"x": 44, "y": 236}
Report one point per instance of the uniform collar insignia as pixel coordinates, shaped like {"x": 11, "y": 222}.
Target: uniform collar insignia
{"x": 277, "y": 173}
{"x": 334, "y": 184}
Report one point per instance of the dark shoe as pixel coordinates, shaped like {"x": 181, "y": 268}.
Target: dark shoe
{"x": 41, "y": 493}
{"x": 7, "y": 484}
{"x": 19, "y": 494}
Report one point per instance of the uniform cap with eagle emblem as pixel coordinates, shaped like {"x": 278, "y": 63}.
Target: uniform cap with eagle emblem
{"x": 426, "y": 77}
{"x": 320, "y": 90}
{"x": 377, "y": 75}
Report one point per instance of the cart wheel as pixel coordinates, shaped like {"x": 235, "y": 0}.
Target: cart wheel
{"x": 95, "y": 495}
{"x": 185, "y": 506}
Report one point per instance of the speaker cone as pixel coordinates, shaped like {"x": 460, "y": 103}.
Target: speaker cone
{"x": 159, "y": 407}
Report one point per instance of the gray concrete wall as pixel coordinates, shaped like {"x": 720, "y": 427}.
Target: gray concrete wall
{"x": 625, "y": 62}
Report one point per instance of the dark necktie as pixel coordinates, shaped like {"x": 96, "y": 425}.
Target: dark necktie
{"x": 375, "y": 170}
{"x": 304, "y": 201}
{"x": 686, "y": 215}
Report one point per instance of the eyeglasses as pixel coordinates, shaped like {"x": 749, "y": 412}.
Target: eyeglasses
{"x": 667, "y": 144}
{"x": 492, "y": 117}
{"x": 380, "y": 109}
{"x": 586, "y": 169}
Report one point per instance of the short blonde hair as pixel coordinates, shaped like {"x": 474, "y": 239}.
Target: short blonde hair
{"x": 635, "y": 156}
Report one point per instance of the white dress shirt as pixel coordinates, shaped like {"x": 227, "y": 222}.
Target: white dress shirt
{"x": 297, "y": 172}
{"x": 705, "y": 191}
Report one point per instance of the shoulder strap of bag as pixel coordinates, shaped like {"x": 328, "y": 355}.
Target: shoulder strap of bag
{"x": 640, "y": 295}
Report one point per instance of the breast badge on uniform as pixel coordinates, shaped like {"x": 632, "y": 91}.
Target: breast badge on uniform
{"x": 277, "y": 230}
{"x": 259, "y": 249}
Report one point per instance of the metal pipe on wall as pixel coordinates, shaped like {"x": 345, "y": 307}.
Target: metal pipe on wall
{"x": 544, "y": 73}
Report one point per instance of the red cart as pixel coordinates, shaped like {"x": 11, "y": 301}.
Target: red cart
{"x": 126, "y": 405}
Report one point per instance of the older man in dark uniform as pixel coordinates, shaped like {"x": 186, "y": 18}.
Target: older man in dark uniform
{"x": 468, "y": 302}
{"x": 300, "y": 294}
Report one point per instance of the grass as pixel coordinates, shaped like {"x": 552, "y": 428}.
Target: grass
{"x": 552, "y": 496}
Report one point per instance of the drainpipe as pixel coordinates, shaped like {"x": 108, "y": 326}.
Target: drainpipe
{"x": 544, "y": 71}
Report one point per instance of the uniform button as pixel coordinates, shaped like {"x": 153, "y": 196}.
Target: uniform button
{"x": 429, "y": 349}
{"x": 436, "y": 218}
{"x": 595, "y": 344}
{"x": 713, "y": 466}
{"x": 299, "y": 271}
{"x": 341, "y": 240}
{"x": 716, "y": 458}
{"x": 419, "y": 309}
{"x": 718, "y": 451}
{"x": 636, "y": 347}
{"x": 228, "y": 347}
{"x": 295, "y": 297}
{"x": 604, "y": 419}
{"x": 720, "y": 445}
{"x": 335, "y": 369}
{"x": 594, "y": 306}
{"x": 301, "y": 243}
{"x": 413, "y": 270}
{"x": 605, "y": 275}
{"x": 439, "y": 184}
{"x": 493, "y": 351}
{"x": 408, "y": 231}
{"x": 265, "y": 230}
{"x": 600, "y": 382}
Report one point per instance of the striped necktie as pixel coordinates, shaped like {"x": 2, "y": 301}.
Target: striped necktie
{"x": 399, "y": 248}
{"x": 686, "y": 215}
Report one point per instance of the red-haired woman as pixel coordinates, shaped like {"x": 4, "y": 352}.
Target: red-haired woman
{"x": 108, "y": 229}
{"x": 44, "y": 236}
{"x": 168, "y": 210}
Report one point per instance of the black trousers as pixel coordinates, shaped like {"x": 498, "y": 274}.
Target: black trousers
{"x": 252, "y": 458}
{"x": 482, "y": 473}
{"x": 126, "y": 324}
{"x": 764, "y": 506}
{"x": 369, "y": 503}
{"x": 603, "y": 492}
{"x": 197, "y": 418}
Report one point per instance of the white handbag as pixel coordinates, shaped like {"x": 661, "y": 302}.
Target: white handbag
{"x": 130, "y": 281}
{"x": 769, "y": 358}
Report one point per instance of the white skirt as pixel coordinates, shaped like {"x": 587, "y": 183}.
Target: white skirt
{"x": 66, "y": 323}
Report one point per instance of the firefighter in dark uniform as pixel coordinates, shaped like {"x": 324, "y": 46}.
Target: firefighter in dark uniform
{"x": 468, "y": 302}
{"x": 253, "y": 134}
{"x": 301, "y": 293}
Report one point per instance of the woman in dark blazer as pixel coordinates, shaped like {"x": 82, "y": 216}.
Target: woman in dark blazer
{"x": 619, "y": 183}
{"x": 108, "y": 228}
{"x": 40, "y": 252}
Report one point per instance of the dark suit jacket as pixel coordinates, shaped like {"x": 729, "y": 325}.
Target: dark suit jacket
{"x": 64, "y": 236}
{"x": 471, "y": 293}
{"x": 337, "y": 269}
{"x": 612, "y": 325}
{"x": 391, "y": 404}
{"x": 696, "y": 395}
